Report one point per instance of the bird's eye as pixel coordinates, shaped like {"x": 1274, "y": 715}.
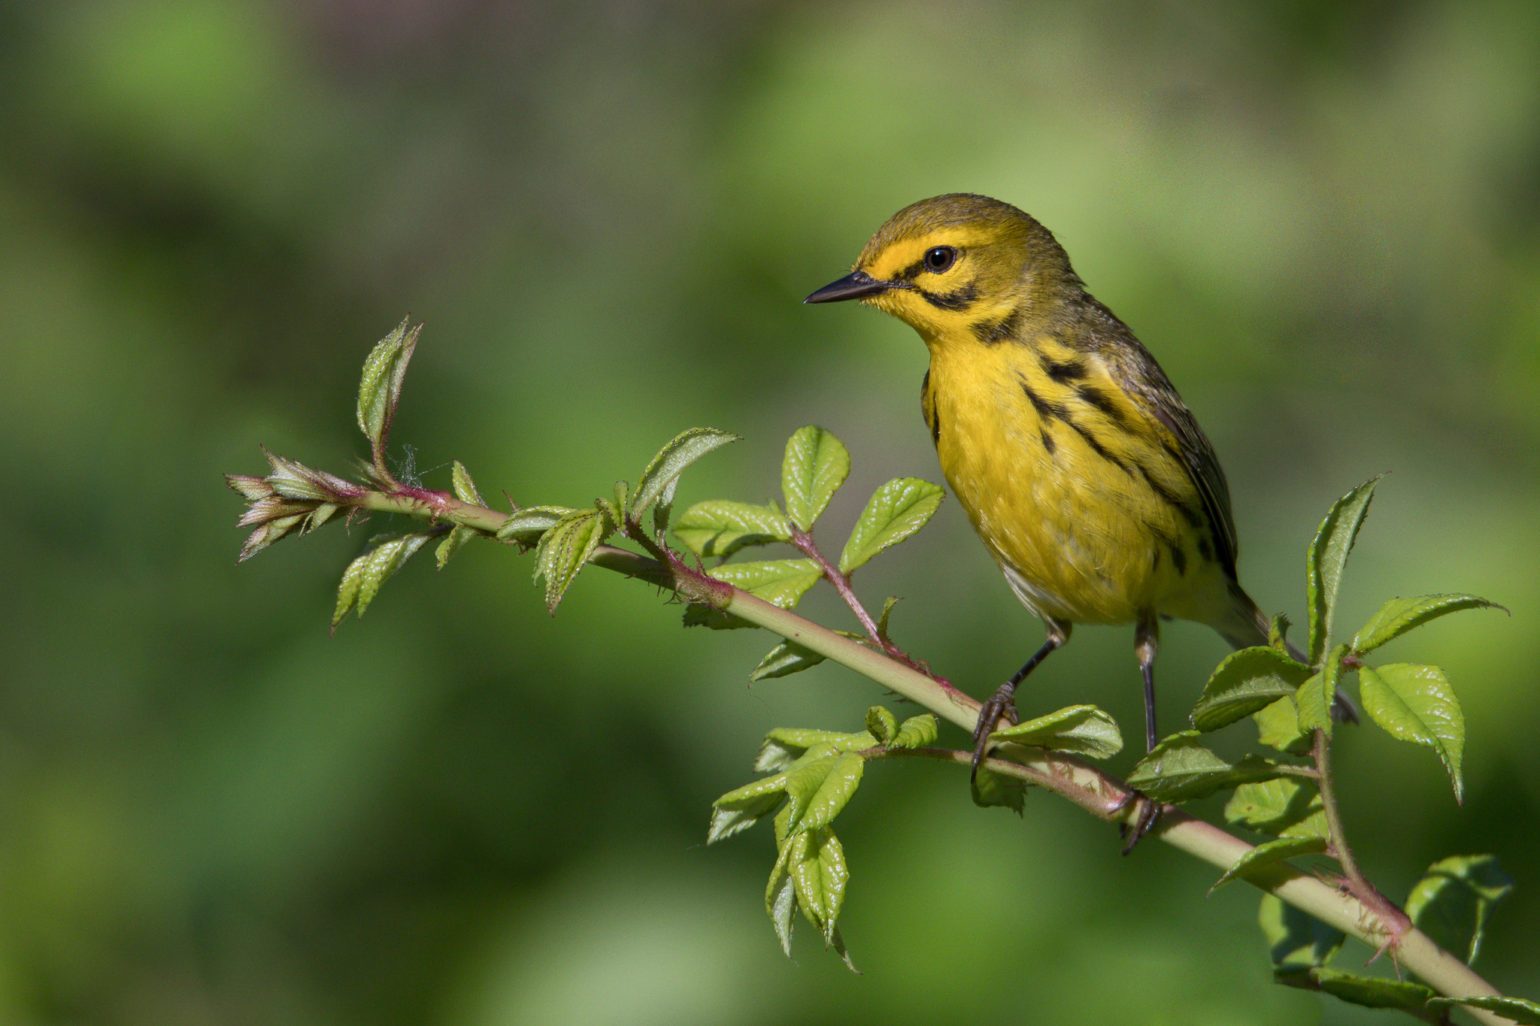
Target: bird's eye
{"x": 939, "y": 258}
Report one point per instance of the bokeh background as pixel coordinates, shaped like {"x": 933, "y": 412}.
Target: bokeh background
{"x": 1321, "y": 217}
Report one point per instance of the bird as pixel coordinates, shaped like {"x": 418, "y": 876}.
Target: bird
{"x": 1081, "y": 469}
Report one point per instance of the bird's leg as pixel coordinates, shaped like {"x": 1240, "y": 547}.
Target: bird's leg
{"x": 1146, "y": 639}
{"x": 1002, "y": 704}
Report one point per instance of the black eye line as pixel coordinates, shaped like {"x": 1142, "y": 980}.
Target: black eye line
{"x": 919, "y": 267}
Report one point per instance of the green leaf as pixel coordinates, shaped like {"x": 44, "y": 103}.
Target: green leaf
{"x": 1180, "y": 769}
{"x": 815, "y": 466}
{"x": 895, "y": 511}
{"x": 780, "y": 582}
{"x": 881, "y": 724}
{"x": 1516, "y": 1009}
{"x": 1317, "y": 694}
{"x": 719, "y": 527}
{"x": 785, "y": 745}
{"x": 1246, "y": 681}
{"x": 1286, "y": 806}
{"x": 819, "y": 876}
{"x": 785, "y": 659}
{"x": 1452, "y": 902}
{"x": 915, "y": 732}
{"x": 564, "y": 550}
{"x": 1269, "y": 853}
{"x": 1296, "y": 939}
{"x": 1328, "y": 554}
{"x": 887, "y": 612}
{"x": 671, "y": 461}
{"x": 662, "y": 509}
{"x": 362, "y": 579}
{"x": 1400, "y": 615}
{"x": 456, "y": 537}
{"x": 741, "y": 808}
{"x": 1278, "y": 727}
{"x": 1368, "y": 991}
{"x": 379, "y": 388}
{"x": 781, "y": 897}
{"x": 991, "y": 788}
{"x": 464, "y": 488}
{"x": 839, "y": 782}
{"x": 527, "y": 525}
{"x": 1415, "y": 703}
{"x": 1082, "y": 729}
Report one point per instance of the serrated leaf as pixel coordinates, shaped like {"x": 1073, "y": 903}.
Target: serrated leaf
{"x": 527, "y": 525}
{"x": 1082, "y": 729}
{"x": 672, "y": 460}
{"x": 1317, "y": 694}
{"x": 895, "y": 511}
{"x": 785, "y": 659}
{"x": 720, "y": 527}
{"x": 564, "y": 551}
{"x": 916, "y": 732}
{"x": 1519, "y": 1010}
{"x": 1452, "y": 901}
{"x": 1415, "y": 703}
{"x": 991, "y": 788}
{"x": 362, "y": 579}
{"x": 457, "y": 537}
{"x": 1296, "y": 939}
{"x": 815, "y": 465}
{"x": 1269, "y": 853}
{"x": 742, "y": 807}
{"x": 881, "y": 724}
{"x": 379, "y": 387}
{"x": 819, "y": 876}
{"x": 1180, "y": 769}
{"x": 1278, "y": 727}
{"x": 662, "y": 509}
{"x": 887, "y": 612}
{"x": 780, "y": 582}
{"x": 1247, "y": 681}
{"x": 840, "y": 779}
{"x": 1286, "y": 806}
{"x": 464, "y": 488}
{"x": 785, "y": 745}
{"x": 1400, "y": 615}
{"x": 1328, "y": 555}
{"x": 1368, "y": 991}
{"x": 781, "y": 898}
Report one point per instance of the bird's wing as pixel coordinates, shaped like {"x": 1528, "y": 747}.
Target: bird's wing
{"x": 1147, "y": 385}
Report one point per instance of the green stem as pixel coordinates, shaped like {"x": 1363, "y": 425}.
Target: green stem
{"x": 1083, "y": 784}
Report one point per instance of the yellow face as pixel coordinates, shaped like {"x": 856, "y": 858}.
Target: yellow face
{"x": 953, "y": 266}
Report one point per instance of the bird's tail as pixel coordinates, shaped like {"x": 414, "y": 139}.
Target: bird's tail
{"x": 1250, "y": 626}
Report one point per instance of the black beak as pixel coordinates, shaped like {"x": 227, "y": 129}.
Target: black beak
{"x": 853, "y": 286}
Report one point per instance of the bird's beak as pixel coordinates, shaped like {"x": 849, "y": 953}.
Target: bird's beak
{"x": 853, "y": 286}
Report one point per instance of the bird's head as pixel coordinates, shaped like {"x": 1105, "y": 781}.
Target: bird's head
{"x": 956, "y": 266}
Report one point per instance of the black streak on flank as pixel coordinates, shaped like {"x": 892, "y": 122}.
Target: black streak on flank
{"x": 991, "y": 332}
{"x": 1069, "y": 370}
{"x": 1048, "y": 443}
{"x": 958, "y": 300}
{"x": 1178, "y": 557}
{"x": 1047, "y": 409}
{"x": 1205, "y": 550}
{"x": 1043, "y": 407}
{"x": 1095, "y": 397}
{"x": 1170, "y": 498}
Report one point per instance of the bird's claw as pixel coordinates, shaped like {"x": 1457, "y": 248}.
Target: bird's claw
{"x": 1144, "y": 821}
{"x": 1000, "y": 706}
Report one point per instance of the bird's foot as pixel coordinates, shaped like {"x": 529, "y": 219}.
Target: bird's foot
{"x": 1148, "y": 815}
{"x": 1000, "y": 706}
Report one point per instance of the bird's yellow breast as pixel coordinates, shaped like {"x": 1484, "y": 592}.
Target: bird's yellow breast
{"x": 1077, "y": 493}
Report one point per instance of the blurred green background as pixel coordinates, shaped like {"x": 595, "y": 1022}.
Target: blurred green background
{"x": 1321, "y": 217}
